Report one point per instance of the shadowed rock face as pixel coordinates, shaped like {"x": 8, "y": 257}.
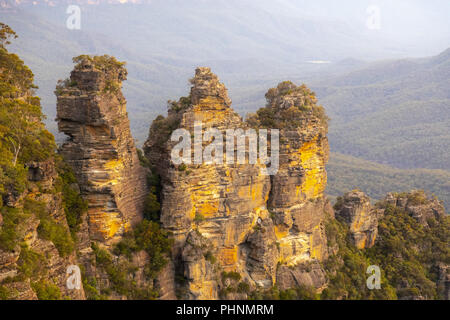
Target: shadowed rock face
{"x": 220, "y": 210}
{"x": 356, "y": 211}
{"x": 91, "y": 111}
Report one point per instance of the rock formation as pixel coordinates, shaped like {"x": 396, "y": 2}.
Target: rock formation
{"x": 418, "y": 205}
{"x": 297, "y": 201}
{"x": 209, "y": 208}
{"x": 91, "y": 111}
{"x": 355, "y": 210}
{"x": 35, "y": 256}
{"x": 218, "y": 212}
{"x": 237, "y": 231}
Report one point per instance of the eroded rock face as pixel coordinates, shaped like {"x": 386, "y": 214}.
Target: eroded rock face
{"x": 219, "y": 202}
{"x": 91, "y": 111}
{"x": 356, "y": 211}
{"x": 297, "y": 203}
{"x": 443, "y": 282}
{"x": 52, "y": 264}
{"x": 220, "y": 210}
{"x": 309, "y": 275}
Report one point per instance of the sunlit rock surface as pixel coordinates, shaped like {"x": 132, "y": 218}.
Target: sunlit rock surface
{"x": 91, "y": 111}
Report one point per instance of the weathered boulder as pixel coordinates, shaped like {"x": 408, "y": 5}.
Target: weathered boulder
{"x": 309, "y": 275}
{"x": 43, "y": 172}
{"x": 263, "y": 253}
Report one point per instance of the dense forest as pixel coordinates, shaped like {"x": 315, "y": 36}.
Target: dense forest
{"x": 393, "y": 112}
{"x": 346, "y": 173}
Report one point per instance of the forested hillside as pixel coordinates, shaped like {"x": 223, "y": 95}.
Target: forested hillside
{"x": 346, "y": 173}
{"x": 395, "y": 113}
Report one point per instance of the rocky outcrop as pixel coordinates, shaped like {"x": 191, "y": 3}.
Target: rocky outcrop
{"x": 418, "y": 205}
{"x": 218, "y": 213}
{"x": 219, "y": 203}
{"x": 35, "y": 259}
{"x": 297, "y": 203}
{"x": 355, "y": 210}
{"x": 443, "y": 282}
{"x": 91, "y": 111}
{"x": 309, "y": 275}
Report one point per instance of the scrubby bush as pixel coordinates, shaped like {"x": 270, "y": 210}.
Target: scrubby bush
{"x": 9, "y": 232}
{"x": 74, "y": 204}
{"x": 152, "y": 206}
{"x": 46, "y": 290}
{"x": 31, "y": 264}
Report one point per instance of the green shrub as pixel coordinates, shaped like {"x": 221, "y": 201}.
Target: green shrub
{"x": 74, "y": 204}
{"x": 147, "y": 236}
{"x": 14, "y": 178}
{"x": 31, "y": 264}
{"x": 102, "y": 257}
{"x": 210, "y": 257}
{"x": 152, "y": 206}
{"x": 231, "y": 275}
{"x": 142, "y": 158}
{"x": 199, "y": 217}
{"x": 49, "y": 229}
{"x": 417, "y": 198}
{"x": 9, "y": 232}
{"x": 243, "y": 287}
{"x": 46, "y": 290}
{"x": 156, "y": 242}
{"x": 5, "y": 293}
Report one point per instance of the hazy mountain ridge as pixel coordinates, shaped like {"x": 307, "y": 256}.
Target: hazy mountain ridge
{"x": 346, "y": 173}
{"x": 394, "y": 112}
{"x": 262, "y": 41}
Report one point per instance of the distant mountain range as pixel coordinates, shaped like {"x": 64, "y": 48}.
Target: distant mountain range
{"x": 252, "y": 44}
{"x": 346, "y": 173}
{"x": 394, "y": 112}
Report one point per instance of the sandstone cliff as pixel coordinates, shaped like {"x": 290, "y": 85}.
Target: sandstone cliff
{"x": 354, "y": 209}
{"x": 91, "y": 111}
{"x": 218, "y": 212}
{"x": 297, "y": 201}
{"x": 210, "y": 208}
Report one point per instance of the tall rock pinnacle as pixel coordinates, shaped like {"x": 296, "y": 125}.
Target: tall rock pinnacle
{"x": 230, "y": 217}
{"x": 91, "y": 111}
{"x": 210, "y": 208}
{"x": 297, "y": 200}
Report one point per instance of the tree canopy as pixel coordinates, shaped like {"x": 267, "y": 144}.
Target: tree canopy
{"x": 23, "y": 137}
